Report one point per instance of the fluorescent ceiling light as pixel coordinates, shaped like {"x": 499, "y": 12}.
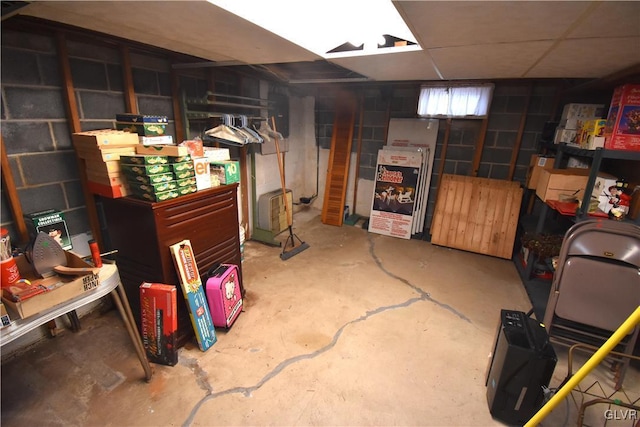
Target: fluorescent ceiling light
{"x": 321, "y": 26}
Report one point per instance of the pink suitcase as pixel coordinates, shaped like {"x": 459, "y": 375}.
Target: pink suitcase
{"x": 223, "y": 295}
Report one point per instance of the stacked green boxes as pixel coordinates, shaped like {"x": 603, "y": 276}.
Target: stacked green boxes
{"x": 143, "y": 125}
{"x": 158, "y": 178}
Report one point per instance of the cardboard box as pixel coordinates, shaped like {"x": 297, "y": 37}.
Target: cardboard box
{"x": 4, "y": 316}
{"x": 144, "y": 159}
{"x": 187, "y": 189}
{"x": 177, "y": 168}
{"x": 203, "y": 173}
{"x": 179, "y": 159}
{"x": 567, "y": 136}
{"x": 215, "y": 154}
{"x": 52, "y": 222}
{"x": 150, "y": 179}
{"x": 145, "y": 169}
{"x": 156, "y": 140}
{"x": 187, "y": 182}
{"x": 163, "y": 150}
{"x": 184, "y": 174}
{"x": 103, "y": 137}
{"x": 57, "y": 289}
{"x": 559, "y": 184}
{"x": 622, "y": 131}
{"x": 574, "y": 116}
{"x": 185, "y": 262}
{"x": 142, "y": 125}
{"x": 159, "y": 322}
{"x": 104, "y": 154}
{"x": 594, "y": 142}
{"x": 111, "y": 179}
{"x": 160, "y": 187}
{"x": 601, "y": 191}
{"x": 591, "y": 129}
{"x": 227, "y": 172}
{"x": 536, "y": 165}
{"x": 102, "y": 167}
{"x": 111, "y": 191}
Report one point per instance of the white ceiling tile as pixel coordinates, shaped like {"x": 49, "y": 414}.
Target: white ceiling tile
{"x": 397, "y": 66}
{"x": 465, "y": 23}
{"x": 589, "y": 58}
{"x": 500, "y": 61}
{"x": 610, "y": 19}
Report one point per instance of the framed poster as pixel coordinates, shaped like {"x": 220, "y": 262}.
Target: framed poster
{"x": 397, "y": 175}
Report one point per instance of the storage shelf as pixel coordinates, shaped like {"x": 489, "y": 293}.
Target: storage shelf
{"x": 537, "y": 288}
{"x": 601, "y": 152}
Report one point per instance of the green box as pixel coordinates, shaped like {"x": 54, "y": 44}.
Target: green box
{"x": 157, "y": 197}
{"x": 52, "y": 222}
{"x": 153, "y": 188}
{"x": 149, "y": 179}
{"x": 189, "y": 173}
{"x": 145, "y": 169}
{"x": 186, "y": 182}
{"x": 181, "y": 167}
{"x": 179, "y": 159}
{"x": 228, "y": 172}
{"x": 141, "y": 159}
{"x": 187, "y": 189}
{"x": 143, "y": 125}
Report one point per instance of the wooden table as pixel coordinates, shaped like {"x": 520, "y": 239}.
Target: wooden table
{"x": 110, "y": 283}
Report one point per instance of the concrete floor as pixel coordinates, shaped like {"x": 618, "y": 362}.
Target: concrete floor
{"x": 360, "y": 329}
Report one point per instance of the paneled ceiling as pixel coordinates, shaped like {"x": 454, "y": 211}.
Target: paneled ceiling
{"x": 460, "y": 40}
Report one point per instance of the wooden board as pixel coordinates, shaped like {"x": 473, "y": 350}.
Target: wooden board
{"x": 339, "y": 158}
{"x": 477, "y": 215}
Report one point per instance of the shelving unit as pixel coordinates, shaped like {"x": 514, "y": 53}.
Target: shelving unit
{"x": 537, "y": 288}
{"x": 597, "y": 156}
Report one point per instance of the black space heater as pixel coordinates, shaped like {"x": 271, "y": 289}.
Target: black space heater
{"x": 521, "y": 366}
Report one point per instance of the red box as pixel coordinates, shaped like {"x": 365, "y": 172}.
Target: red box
{"x": 159, "y": 322}
{"x": 622, "y": 131}
{"x": 110, "y": 191}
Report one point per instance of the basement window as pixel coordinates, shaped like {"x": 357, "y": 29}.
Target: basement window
{"x": 455, "y": 101}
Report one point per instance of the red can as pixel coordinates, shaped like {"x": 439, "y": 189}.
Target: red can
{"x": 9, "y": 272}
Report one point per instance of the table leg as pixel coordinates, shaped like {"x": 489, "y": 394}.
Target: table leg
{"x": 129, "y": 322}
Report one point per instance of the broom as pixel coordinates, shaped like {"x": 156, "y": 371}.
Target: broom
{"x": 291, "y": 239}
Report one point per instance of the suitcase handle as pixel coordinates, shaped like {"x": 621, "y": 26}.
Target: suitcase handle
{"x": 212, "y": 270}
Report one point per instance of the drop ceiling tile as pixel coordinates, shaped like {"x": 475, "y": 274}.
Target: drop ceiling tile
{"x": 464, "y": 23}
{"x": 194, "y": 27}
{"x": 610, "y": 19}
{"x": 589, "y": 58}
{"x": 397, "y": 66}
{"x": 494, "y": 61}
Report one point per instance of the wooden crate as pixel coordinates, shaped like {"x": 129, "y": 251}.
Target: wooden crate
{"x": 477, "y": 215}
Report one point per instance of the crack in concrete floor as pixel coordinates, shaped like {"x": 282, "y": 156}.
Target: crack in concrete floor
{"x": 202, "y": 378}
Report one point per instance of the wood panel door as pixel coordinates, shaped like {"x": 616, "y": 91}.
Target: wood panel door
{"x": 335, "y": 191}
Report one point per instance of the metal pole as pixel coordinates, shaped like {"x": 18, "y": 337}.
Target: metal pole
{"x": 594, "y": 361}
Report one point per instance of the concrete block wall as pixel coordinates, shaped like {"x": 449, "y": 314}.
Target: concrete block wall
{"x": 382, "y": 102}
{"x": 35, "y": 130}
